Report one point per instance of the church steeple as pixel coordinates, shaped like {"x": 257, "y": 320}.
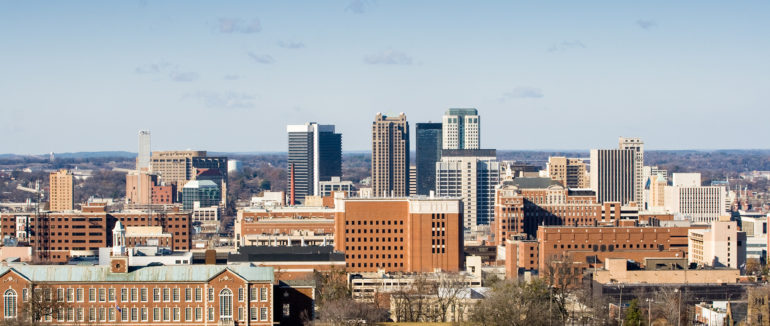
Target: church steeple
{"x": 119, "y": 258}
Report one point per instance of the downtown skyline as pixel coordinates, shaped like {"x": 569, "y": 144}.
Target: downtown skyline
{"x": 86, "y": 76}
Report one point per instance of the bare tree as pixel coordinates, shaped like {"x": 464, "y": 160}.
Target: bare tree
{"x": 39, "y": 306}
{"x": 512, "y": 303}
{"x": 451, "y": 287}
{"x": 347, "y": 312}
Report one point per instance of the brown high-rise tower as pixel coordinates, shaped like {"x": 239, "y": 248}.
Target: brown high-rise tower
{"x": 60, "y": 190}
{"x": 390, "y": 156}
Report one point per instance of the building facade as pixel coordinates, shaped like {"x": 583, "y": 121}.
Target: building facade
{"x": 461, "y": 129}
{"x": 315, "y": 153}
{"x": 637, "y": 146}
{"x": 472, "y": 175}
{"x": 429, "y": 145}
{"x": 60, "y": 191}
{"x": 196, "y": 194}
{"x": 143, "y": 156}
{"x": 399, "y": 234}
{"x": 571, "y": 172}
{"x": 612, "y": 175}
{"x": 722, "y": 245}
{"x": 390, "y": 156}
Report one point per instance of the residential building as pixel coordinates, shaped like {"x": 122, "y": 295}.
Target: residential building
{"x": 722, "y": 245}
{"x": 60, "y": 191}
{"x": 470, "y": 174}
{"x": 315, "y": 155}
{"x": 416, "y": 234}
{"x": 429, "y": 145}
{"x": 571, "y": 172}
{"x": 390, "y": 156}
{"x": 637, "y": 146}
{"x": 460, "y": 129}
{"x": 196, "y": 194}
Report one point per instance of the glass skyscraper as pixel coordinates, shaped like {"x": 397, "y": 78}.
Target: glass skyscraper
{"x": 428, "y": 153}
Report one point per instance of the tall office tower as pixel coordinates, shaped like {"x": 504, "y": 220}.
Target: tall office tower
{"x": 699, "y": 204}
{"x": 571, "y": 172}
{"x": 315, "y": 151}
{"x": 213, "y": 168}
{"x": 390, "y": 156}
{"x": 461, "y": 129}
{"x": 174, "y": 167}
{"x": 428, "y": 153}
{"x": 143, "y": 156}
{"x": 60, "y": 190}
{"x": 637, "y": 145}
{"x": 612, "y": 175}
{"x": 472, "y": 175}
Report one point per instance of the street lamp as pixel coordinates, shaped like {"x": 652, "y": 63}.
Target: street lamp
{"x": 649, "y": 311}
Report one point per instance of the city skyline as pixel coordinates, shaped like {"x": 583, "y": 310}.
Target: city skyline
{"x": 250, "y": 69}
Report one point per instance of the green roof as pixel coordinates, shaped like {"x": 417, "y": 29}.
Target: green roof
{"x": 181, "y": 273}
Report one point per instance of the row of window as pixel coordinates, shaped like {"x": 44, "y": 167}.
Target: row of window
{"x": 141, "y": 294}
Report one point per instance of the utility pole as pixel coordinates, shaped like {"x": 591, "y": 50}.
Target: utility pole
{"x": 649, "y": 312}
{"x": 620, "y": 305}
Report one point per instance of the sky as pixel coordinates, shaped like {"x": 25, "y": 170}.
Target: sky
{"x": 229, "y": 76}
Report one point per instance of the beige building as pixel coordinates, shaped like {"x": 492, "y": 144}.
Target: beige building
{"x": 390, "y": 156}
{"x": 60, "y": 184}
{"x": 616, "y": 271}
{"x": 571, "y": 172}
{"x": 637, "y": 146}
{"x": 657, "y": 199}
{"x": 723, "y": 245}
{"x": 460, "y": 129}
{"x": 701, "y": 205}
{"x": 175, "y": 166}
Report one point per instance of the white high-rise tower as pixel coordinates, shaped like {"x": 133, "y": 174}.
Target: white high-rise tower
{"x": 460, "y": 129}
{"x": 143, "y": 157}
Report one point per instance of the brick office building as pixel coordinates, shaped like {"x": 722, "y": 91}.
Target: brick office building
{"x": 588, "y": 247}
{"x": 400, "y": 234}
{"x": 523, "y": 208}
{"x": 57, "y": 236}
{"x": 298, "y": 225}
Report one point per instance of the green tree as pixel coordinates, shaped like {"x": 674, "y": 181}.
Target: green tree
{"x": 633, "y": 314}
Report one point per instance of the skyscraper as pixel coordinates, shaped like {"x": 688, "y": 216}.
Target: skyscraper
{"x": 390, "y": 156}
{"x": 612, "y": 175}
{"x": 143, "y": 156}
{"x": 60, "y": 191}
{"x": 571, "y": 172}
{"x": 637, "y": 145}
{"x": 472, "y": 175}
{"x": 315, "y": 153}
{"x": 428, "y": 153}
{"x": 461, "y": 129}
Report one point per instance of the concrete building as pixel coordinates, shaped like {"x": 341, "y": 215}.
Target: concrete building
{"x": 196, "y": 194}
{"x": 143, "y": 155}
{"x": 472, "y": 175}
{"x": 429, "y": 145}
{"x": 413, "y": 180}
{"x": 616, "y": 271}
{"x": 656, "y": 199}
{"x": 722, "y": 245}
{"x": 755, "y": 226}
{"x": 291, "y": 263}
{"x": 390, "y": 156}
{"x": 637, "y": 146}
{"x": 315, "y": 155}
{"x": 139, "y": 187}
{"x": 460, "y": 129}
{"x": 415, "y": 234}
{"x": 335, "y": 184}
{"x": 234, "y": 166}
{"x": 284, "y": 226}
{"x": 699, "y": 204}
{"x": 174, "y": 166}
{"x": 612, "y": 175}
{"x": 206, "y": 219}
{"x": 571, "y": 172}
{"x": 60, "y": 191}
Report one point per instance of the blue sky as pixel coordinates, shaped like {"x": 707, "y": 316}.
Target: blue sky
{"x": 86, "y": 76}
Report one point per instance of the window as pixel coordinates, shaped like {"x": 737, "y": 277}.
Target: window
{"x": 263, "y": 314}
{"x": 166, "y": 295}
{"x": 79, "y": 314}
{"x": 124, "y": 295}
{"x": 240, "y": 313}
{"x": 254, "y": 314}
{"x": 198, "y": 314}
{"x": 287, "y": 309}
{"x": 79, "y": 295}
{"x": 226, "y": 304}
{"x": 253, "y": 294}
{"x": 111, "y": 313}
{"x": 70, "y": 295}
{"x": 144, "y": 314}
{"x": 111, "y": 295}
{"x": 176, "y": 294}
{"x": 176, "y": 314}
{"x": 263, "y": 294}
{"x": 143, "y": 294}
{"x": 134, "y": 314}
{"x": 91, "y": 314}
{"x": 134, "y": 295}
{"x": 156, "y": 314}
{"x": 102, "y": 316}
{"x": 188, "y": 314}
{"x": 211, "y": 313}
{"x": 188, "y": 294}
{"x": 211, "y": 294}
{"x": 123, "y": 313}
{"x": 92, "y": 295}
{"x": 198, "y": 294}
{"x": 240, "y": 294}
{"x": 156, "y": 294}
{"x": 166, "y": 314}
{"x": 9, "y": 302}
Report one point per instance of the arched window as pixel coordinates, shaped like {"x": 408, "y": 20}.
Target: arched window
{"x": 9, "y": 299}
{"x": 226, "y": 304}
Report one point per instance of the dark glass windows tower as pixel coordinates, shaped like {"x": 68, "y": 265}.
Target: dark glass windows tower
{"x": 315, "y": 151}
{"x": 428, "y": 153}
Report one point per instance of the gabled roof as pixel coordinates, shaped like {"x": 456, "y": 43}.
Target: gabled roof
{"x": 175, "y": 273}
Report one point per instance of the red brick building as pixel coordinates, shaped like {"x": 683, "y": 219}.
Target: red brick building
{"x": 399, "y": 234}
{"x": 58, "y": 236}
{"x": 284, "y": 226}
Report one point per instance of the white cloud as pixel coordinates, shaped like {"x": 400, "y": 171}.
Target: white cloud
{"x": 388, "y": 57}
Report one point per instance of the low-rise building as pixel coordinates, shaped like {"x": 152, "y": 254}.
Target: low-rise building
{"x": 616, "y": 271}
